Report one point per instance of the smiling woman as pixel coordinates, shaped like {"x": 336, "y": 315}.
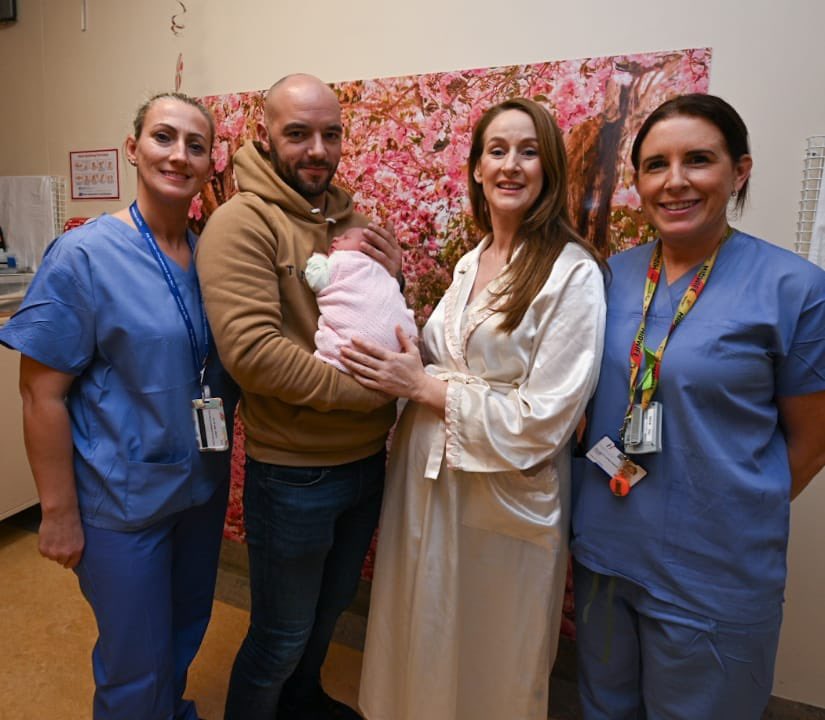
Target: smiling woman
{"x": 171, "y": 149}
{"x": 509, "y": 170}
{"x": 686, "y": 178}
{"x": 470, "y": 568}
{"x": 718, "y": 338}
{"x": 116, "y": 351}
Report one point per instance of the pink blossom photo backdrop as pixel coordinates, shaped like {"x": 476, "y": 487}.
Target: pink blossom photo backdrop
{"x": 406, "y": 143}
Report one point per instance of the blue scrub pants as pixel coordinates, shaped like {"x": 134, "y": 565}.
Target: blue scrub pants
{"x": 644, "y": 659}
{"x": 308, "y": 530}
{"x": 151, "y": 592}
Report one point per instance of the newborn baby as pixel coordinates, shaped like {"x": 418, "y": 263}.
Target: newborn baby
{"x": 356, "y": 297}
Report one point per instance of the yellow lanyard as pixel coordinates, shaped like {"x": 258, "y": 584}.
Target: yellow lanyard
{"x": 650, "y": 380}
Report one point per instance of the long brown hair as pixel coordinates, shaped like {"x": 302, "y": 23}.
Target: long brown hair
{"x": 546, "y": 227}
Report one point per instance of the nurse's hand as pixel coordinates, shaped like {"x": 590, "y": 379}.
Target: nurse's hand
{"x": 48, "y": 437}
{"x": 61, "y": 537}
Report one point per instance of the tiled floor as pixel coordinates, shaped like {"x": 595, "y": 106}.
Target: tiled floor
{"x": 47, "y": 632}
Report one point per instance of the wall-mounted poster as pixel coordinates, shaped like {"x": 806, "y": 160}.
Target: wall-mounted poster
{"x": 406, "y": 143}
{"x": 94, "y": 174}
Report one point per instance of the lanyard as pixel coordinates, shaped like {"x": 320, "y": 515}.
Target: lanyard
{"x": 650, "y": 380}
{"x": 144, "y": 230}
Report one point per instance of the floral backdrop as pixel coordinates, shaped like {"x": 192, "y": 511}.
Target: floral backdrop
{"x": 406, "y": 142}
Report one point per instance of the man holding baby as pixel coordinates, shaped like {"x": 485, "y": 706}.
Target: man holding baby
{"x": 315, "y": 437}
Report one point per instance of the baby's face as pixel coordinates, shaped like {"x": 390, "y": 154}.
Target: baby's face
{"x": 349, "y": 240}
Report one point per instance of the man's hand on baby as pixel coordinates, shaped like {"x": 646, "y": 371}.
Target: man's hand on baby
{"x": 382, "y": 246}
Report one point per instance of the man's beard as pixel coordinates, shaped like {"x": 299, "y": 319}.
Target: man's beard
{"x": 306, "y": 189}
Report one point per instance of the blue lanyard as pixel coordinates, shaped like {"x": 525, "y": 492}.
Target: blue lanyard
{"x": 144, "y": 230}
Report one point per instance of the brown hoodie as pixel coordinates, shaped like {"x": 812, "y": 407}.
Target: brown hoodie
{"x": 297, "y": 410}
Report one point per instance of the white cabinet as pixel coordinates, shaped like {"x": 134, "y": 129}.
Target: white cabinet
{"x": 17, "y": 490}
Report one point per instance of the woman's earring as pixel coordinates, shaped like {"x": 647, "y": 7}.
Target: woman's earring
{"x": 733, "y": 193}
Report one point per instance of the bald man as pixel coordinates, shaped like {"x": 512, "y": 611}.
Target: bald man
{"x": 315, "y": 437}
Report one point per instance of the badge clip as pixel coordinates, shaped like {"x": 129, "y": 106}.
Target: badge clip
{"x": 643, "y": 432}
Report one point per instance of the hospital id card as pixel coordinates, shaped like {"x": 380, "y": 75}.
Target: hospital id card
{"x": 210, "y": 424}
{"x": 614, "y": 462}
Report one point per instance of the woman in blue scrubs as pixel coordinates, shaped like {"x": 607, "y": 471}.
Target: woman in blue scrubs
{"x": 116, "y": 362}
{"x": 713, "y": 384}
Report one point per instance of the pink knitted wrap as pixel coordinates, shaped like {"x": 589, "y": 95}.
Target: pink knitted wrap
{"x": 361, "y": 300}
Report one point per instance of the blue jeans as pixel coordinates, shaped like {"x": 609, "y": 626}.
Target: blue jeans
{"x": 308, "y": 530}
{"x": 644, "y": 659}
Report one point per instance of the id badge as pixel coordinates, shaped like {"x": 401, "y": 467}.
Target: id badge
{"x": 210, "y": 424}
{"x": 623, "y": 472}
{"x": 643, "y": 433}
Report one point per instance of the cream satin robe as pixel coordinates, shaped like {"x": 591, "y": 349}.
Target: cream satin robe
{"x": 469, "y": 576}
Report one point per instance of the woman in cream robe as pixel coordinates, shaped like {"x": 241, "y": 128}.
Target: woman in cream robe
{"x": 470, "y": 570}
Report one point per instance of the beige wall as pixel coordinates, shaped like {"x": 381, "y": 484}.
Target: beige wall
{"x": 63, "y": 90}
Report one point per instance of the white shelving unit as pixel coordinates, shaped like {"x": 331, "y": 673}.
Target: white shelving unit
{"x": 813, "y": 170}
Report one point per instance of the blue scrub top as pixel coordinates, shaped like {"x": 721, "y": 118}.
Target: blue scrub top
{"x": 707, "y": 529}
{"x": 99, "y": 308}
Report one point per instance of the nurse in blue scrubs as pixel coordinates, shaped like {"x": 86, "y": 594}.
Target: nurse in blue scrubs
{"x": 122, "y": 423}
{"x": 706, "y": 423}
